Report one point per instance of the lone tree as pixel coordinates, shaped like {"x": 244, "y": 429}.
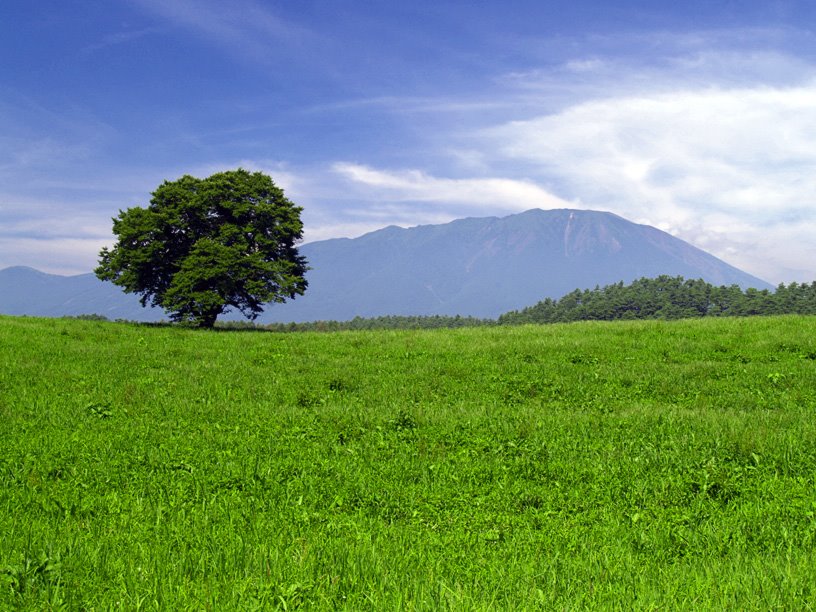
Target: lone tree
{"x": 204, "y": 246}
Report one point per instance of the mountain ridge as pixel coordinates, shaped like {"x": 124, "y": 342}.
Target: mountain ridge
{"x": 475, "y": 266}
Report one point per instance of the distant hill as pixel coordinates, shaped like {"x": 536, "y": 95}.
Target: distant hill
{"x": 480, "y": 267}
{"x": 26, "y": 291}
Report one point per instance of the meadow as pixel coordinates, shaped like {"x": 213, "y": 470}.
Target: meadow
{"x": 625, "y": 465}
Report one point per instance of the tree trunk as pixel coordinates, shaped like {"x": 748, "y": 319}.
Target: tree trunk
{"x": 206, "y": 320}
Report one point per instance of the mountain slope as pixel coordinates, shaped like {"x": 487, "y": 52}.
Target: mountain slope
{"x": 26, "y": 291}
{"x": 486, "y": 266}
{"x": 478, "y": 266}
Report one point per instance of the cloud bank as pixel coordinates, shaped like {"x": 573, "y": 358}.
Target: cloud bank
{"x": 733, "y": 171}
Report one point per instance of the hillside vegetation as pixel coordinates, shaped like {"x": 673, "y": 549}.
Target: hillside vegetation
{"x": 628, "y": 465}
{"x": 667, "y": 297}
{"x": 664, "y": 297}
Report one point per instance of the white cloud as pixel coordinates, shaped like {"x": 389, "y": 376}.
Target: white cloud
{"x": 715, "y": 166}
{"x": 415, "y": 185}
{"x": 76, "y": 255}
{"x": 54, "y": 237}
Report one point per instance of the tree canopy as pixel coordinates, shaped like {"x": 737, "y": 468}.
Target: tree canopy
{"x": 205, "y": 246}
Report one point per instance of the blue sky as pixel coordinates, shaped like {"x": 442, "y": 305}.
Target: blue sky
{"x": 696, "y": 117}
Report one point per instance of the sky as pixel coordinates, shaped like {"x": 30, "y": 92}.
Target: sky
{"x": 696, "y": 117}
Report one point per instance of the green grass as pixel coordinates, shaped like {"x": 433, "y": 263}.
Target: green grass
{"x": 643, "y": 465}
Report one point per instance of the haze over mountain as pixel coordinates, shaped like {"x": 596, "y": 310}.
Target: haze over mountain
{"x": 481, "y": 267}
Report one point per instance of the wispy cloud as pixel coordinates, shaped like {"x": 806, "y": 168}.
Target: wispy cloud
{"x": 77, "y": 255}
{"x": 414, "y": 105}
{"x": 19, "y": 153}
{"x": 654, "y": 62}
{"x": 48, "y": 216}
{"x": 118, "y": 38}
{"x": 40, "y": 141}
{"x": 246, "y": 27}
{"x": 415, "y": 185}
{"x": 53, "y": 236}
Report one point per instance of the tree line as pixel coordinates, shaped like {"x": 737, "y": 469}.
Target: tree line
{"x": 666, "y": 297}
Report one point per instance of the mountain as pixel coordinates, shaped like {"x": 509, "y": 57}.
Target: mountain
{"x": 487, "y": 266}
{"x": 26, "y": 291}
{"x": 481, "y": 267}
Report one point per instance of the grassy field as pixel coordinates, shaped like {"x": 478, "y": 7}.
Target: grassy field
{"x": 632, "y": 465}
